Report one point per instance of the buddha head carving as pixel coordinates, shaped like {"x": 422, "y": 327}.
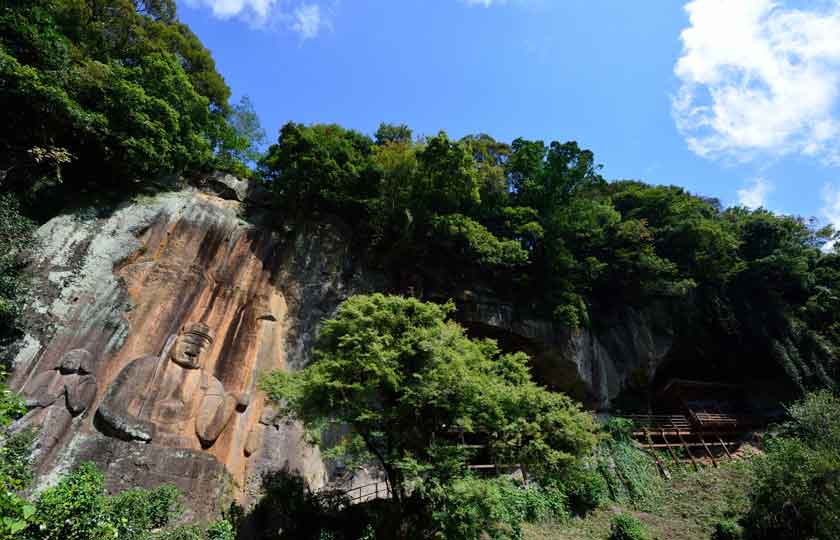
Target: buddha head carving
{"x": 188, "y": 350}
{"x": 76, "y": 361}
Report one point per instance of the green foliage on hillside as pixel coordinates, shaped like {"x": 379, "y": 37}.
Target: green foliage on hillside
{"x": 408, "y": 383}
{"x": 16, "y": 238}
{"x": 627, "y": 527}
{"x": 796, "y": 489}
{"x": 110, "y": 94}
{"x": 630, "y": 474}
{"x": 539, "y": 225}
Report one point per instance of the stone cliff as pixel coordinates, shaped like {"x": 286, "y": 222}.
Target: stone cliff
{"x": 623, "y": 353}
{"x": 150, "y": 326}
{"x": 121, "y": 287}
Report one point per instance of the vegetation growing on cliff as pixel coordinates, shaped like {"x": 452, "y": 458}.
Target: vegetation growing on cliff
{"x": 16, "y": 238}
{"x": 538, "y": 224}
{"x": 110, "y": 95}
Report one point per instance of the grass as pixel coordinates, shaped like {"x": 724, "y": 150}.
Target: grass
{"x": 687, "y": 509}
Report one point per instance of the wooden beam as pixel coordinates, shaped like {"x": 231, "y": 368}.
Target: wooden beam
{"x": 670, "y": 449}
{"x": 688, "y": 451}
{"x": 709, "y": 452}
{"x": 674, "y": 445}
{"x": 725, "y": 449}
{"x": 659, "y": 464}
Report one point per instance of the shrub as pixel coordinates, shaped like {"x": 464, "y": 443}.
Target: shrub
{"x": 16, "y": 461}
{"x": 16, "y": 237}
{"x": 586, "y": 489}
{"x": 182, "y": 532}
{"x": 814, "y": 420}
{"x": 728, "y": 530}
{"x": 73, "y": 509}
{"x": 221, "y": 530}
{"x": 135, "y": 512}
{"x": 627, "y": 527}
{"x": 474, "y": 508}
{"x": 796, "y": 493}
{"x": 77, "y": 508}
{"x": 796, "y": 488}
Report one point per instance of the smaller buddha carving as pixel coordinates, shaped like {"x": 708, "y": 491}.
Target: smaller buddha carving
{"x": 171, "y": 400}
{"x": 55, "y": 396}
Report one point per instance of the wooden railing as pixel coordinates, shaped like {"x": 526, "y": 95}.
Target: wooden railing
{"x": 368, "y": 492}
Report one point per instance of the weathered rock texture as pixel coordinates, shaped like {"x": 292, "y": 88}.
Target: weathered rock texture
{"x": 623, "y": 351}
{"x": 121, "y": 286}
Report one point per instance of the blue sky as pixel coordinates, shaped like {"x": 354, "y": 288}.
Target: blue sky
{"x": 735, "y": 100}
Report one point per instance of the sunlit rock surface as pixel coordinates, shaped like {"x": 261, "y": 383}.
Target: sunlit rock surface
{"x": 121, "y": 286}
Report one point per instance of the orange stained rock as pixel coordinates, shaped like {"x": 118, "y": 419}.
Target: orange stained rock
{"x": 226, "y": 278}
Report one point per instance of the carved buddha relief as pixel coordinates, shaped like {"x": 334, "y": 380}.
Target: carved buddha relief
{"x": 171, "y": 400}
{"x": 56, "y": 396}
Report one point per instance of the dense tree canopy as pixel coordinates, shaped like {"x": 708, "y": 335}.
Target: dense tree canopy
{"x": 109, "y": 94}
{"x": 537, "y": 223}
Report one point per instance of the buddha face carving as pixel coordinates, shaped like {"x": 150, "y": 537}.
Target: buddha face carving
{"x": 75, "y": 361}
{"x": 188, "y": 350}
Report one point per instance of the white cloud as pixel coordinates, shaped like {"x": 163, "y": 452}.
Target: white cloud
{"x": 307, "y": 21}
{"x": 484, "y": 3}
{"x": 759, "y": 78}
{"x": 830, "y": 211}
{"x": 256, "y": 11}
{"x": 831, "y": 204}
{"x": 305, "y": 18}
{"x": 755, "y": 194}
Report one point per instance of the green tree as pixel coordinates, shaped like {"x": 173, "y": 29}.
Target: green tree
{"x": 98, "y": 92}
{"x": 476, "y": 243}
{"x": 323, "y": 167}
{"x": 448, "y": 179}
{"x": 239, "y": 138}
{"x": 392, "y": 133}
{"x": 16, "y": 237}
{"x": 405, "y": 379}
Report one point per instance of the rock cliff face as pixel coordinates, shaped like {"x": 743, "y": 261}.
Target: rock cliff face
{"x": 623, "y": 351}
{"x": 151, "y": 325}
{"x": 122, "y": 287}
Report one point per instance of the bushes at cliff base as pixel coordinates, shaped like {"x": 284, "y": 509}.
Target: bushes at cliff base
{"x": 796, "y": 490}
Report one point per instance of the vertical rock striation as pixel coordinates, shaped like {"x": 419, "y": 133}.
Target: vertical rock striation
{"x": 120, "y": 287}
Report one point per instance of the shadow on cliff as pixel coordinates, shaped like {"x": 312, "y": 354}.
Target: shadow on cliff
{"x": 289, "y": 510}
